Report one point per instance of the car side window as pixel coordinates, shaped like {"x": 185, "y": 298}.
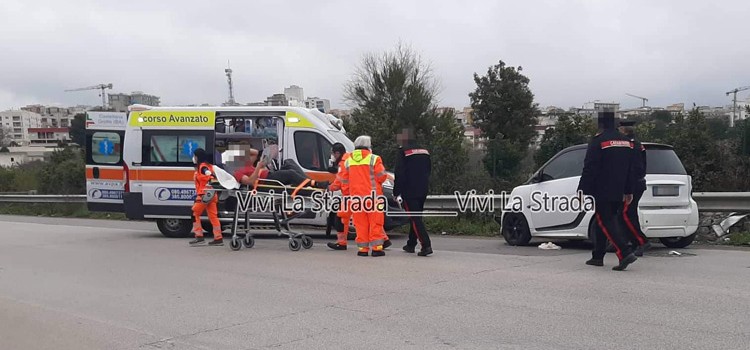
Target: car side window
{"x": 312, "y": 149}
{"x": 569, "y": 164}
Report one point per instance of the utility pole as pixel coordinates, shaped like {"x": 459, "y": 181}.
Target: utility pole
{"x": 228, "y": 71}
{"x": 734, "y": 109}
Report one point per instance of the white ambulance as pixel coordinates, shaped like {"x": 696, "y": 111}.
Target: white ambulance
{"x": 155, "y": 169}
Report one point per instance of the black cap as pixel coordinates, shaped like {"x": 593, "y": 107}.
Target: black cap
{"x": 627, "y": 123}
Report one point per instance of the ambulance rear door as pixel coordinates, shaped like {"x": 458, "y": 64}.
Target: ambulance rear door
{"x": 105, "y": 174}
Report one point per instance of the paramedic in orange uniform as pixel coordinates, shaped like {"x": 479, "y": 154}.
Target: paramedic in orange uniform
{"x": 362, "y": 175}
{"x": 341, "y": 219}
{"x": 204, "y": 172}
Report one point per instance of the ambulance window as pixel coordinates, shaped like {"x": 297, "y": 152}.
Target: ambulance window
{"x": 175, "y": 148}
{"x": 312, "y": 149}
{"x": 105, "y": 147}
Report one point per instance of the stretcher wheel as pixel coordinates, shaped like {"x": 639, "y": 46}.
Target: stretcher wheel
{"x": 307, "y": 242}
{"x": 295, "y": 244}
{"x": 249, "y": 241}
{"x": 235, "y": 244}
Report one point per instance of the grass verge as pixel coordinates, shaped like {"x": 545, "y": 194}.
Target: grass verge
{"x": 736, "y": 239}
{"x": 459, "y": 226}
{"x": 72, "y": 210}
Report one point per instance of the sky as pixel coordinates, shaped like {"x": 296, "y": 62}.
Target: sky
{"x": 572, "y": 51}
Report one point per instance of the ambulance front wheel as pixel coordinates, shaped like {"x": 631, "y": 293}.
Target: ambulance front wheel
{"x": 174, "y": 228}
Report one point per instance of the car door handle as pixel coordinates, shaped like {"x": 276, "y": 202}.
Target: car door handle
{"x": 96, "y": 172}
{"x": 135, "y": 164}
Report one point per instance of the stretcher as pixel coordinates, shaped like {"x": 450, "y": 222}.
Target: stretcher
{"x": 276, "y": 194}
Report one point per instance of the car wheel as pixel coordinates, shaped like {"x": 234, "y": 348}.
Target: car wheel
{"x": 515, "y": 229}
{"x": 174, "y": 228}
{"x": 677, "y": 242}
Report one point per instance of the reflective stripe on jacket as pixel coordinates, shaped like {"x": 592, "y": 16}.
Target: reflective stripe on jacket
{"x": 365, "y": 173}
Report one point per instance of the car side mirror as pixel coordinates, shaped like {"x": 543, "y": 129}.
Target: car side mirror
{"x": 537, "y": 177}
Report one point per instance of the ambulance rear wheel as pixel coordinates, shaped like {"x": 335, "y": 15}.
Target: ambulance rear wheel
{"x": 174, "y": 228}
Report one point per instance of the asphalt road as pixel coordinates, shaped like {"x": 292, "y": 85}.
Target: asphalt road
{"x": 84, "y": 284}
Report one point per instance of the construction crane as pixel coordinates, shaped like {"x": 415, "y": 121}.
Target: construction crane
{"x": 642, "y": 98}
{"x": 97, "y": 87}
{"x": 734, "y": 110}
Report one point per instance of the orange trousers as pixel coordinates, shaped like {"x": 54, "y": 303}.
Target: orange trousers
{"x": 370, "y": 232}
{"x": 213, "y": 216}
{"x": 341, "y": 236}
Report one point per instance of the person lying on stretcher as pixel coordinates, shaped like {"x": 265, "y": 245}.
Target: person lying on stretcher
{"x": 289, "y": 174}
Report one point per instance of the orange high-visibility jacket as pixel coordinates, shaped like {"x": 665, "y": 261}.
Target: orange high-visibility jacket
{"x": 202, "y": 177}
{"x": 337, "y": 183}
{"x": 365, "y": 173}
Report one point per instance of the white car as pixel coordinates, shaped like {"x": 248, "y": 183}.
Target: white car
{"x": 666, "y": 211}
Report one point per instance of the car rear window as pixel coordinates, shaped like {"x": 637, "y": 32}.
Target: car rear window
{"x": 663, "y": 161}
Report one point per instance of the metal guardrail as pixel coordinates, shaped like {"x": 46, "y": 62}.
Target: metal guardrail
{"x": 43, "y": 198}
{"x": 707, "y": 201}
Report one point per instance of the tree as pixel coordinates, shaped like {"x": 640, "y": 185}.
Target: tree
{"x": 64, "y": 173}
{"x": 5, "y": 136}
{"x": 505, "y": 111}
{"x": 699, "y": 152}
{"x": 77, "y": 130}
{"x": 394, "y": 90}
{"x": 567, "y": 132}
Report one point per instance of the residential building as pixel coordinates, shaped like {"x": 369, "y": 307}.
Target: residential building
{"x": 54, "y": 116}
{"x": 277, "y": 100}
{"x": 43, "y": 136}
{"x": 17, "y": 123}
{"x": 465, "y": 116}
{"x": 294, "y": 92}
{"x": 341, "y": 113}
{"x": 475, "y": 138}
{"x": 676, "y": 109}
{"x": 20, "y": 155}
{"x": 120, "y": 102}
{"x": 320, "y": 104}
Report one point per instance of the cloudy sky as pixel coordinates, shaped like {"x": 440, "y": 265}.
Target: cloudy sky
{"x": 573, "y": 51}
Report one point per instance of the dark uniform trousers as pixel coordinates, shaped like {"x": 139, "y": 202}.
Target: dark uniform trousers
{"x": 630, "y": 220}
{"x": 608, "y": 228}
{"x": 417, "y": 230}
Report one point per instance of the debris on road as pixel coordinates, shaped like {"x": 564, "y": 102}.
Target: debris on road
{"x": 549, "y": 246}
{"x": 674, "y": 252}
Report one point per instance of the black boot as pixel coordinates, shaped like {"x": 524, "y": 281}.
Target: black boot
{"x": 595, "y": 262}
{"x": 642, "y": 249}
{"x": 408, "y": 249}
{"x": 378, "y": 253}
{"x": 425, "y": 251}
{"x": 336, "y": 246}
{"x": 625, "y": 262}
{"x": 387, "y": 243}
{"x": 216, "y": 242}
{"x": 197, "y": 241}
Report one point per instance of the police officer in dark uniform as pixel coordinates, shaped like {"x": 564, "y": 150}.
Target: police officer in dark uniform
{"x": 411, "y": 184}
{"x": 629, "y": 217}
{"x": 608, "y": 176}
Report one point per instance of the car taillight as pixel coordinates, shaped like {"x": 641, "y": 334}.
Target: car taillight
{"x": 125, "y": 171}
